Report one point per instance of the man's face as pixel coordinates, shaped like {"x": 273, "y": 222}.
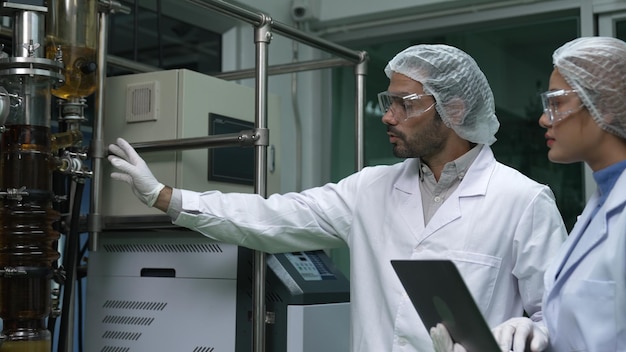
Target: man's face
{"x": 420, "y": 136}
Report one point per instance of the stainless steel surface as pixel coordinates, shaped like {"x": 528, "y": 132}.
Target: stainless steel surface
{"x": 258, "y": 19}
{"x": 94, "y": 221}
{"x": 360, "y": 71}
{"x": 28, "y": 32}
{"x": 130, "y": 65}
{"x": 112, "y": 6}
{"x": 261, "y": 40}
{"x": 227, "y": 139}
{"x": 287, "y": 68}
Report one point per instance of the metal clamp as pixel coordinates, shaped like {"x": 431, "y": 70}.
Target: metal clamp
{"x": 12, "y": 272}
{"x": 72, "y": 163}
{"x": 258, "y": 136}
{"x": 14, "y": 193}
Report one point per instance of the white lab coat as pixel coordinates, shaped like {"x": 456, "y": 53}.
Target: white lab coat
{"x": 585, "y": 304}
{"x": 498, "y": 226}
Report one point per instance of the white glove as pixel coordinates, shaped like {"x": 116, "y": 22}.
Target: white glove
{"x": 442, "y": 342}
{"x": 515, "y": 333}
{"x": 134, "y": 171}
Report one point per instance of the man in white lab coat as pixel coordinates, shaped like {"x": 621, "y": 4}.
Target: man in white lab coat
{"x": 449, "y": 199}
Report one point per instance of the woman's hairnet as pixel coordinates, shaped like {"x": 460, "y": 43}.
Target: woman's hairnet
{"x": 596, "y": 68}
{"x": 463, "y": 95}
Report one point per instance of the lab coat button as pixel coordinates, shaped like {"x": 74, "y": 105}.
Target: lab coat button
{"x": 437, "y": 199}
{"x": 402, "y": 341}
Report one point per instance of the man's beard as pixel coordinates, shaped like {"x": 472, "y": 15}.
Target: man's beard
{"x": 429, "y": 140}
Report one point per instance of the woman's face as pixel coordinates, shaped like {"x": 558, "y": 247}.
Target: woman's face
{"x": 572, "y": 135}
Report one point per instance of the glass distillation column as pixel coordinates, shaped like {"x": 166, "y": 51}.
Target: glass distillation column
{"x": 27, "y": 236}
{"x": 72, "y": 32}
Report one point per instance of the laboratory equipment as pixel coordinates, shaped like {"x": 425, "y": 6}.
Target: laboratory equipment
{"x": 308, "y": 304}
{"x": 178, "y": 290}
{"x": 147, "y": 276}
{"x": 31, "y": 154}
{"x": 161, "y": 291}
{"x": 178, "y": 104}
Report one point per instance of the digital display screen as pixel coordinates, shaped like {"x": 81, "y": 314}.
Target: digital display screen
{"x": 230, "y": 164}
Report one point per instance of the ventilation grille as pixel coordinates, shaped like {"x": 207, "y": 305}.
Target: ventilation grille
{"x": 273, "y": 297}
{"x": 163, "y": 248}
{"x": 114, "y": 349}
{"x": 134, "y": 305}
{"x": 121, "y": 335}
{"x": 126, "y": 320}
{"x": 117, "y": 335}
{"x": 141, "y": 102}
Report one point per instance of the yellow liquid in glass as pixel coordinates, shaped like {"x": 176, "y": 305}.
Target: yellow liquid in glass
{"x": 77, "y": 83}
{"x": 26, "y": 346}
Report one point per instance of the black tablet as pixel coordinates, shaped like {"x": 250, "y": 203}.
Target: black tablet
{"x": 440, "y": 295}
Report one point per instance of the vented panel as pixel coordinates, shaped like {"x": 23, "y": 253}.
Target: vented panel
{"x": 134, "y": 305}
{"x": 142, "y": 102}
{"x": 121, "y": 335}
{"x": 186, "y": 315}
{"x": 127, "y": 320}
{"x": 164, "y": 248}
{"x": 178, "y": 107}
{"x": 192, "y": 310}
{"x": 114, "y": 349}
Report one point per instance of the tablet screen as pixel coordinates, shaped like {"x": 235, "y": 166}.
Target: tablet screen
{"x": 440, "y": 295}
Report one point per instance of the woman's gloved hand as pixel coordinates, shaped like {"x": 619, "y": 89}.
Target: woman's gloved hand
{"x": 516, "y": 333}
{"x": 133, "y": 170}
{"x": 442, "y": 342}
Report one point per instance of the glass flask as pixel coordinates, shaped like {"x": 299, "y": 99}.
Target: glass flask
{"x": 72, "y": 28}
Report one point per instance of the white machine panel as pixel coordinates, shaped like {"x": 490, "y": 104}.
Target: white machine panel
{"x": 176, "y": 104}
{"x": 318, "y": 327}
{"x": 161, "y": 292}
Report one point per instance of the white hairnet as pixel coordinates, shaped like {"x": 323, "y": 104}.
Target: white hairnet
{"x": 596, "y": 68}
{"x": 464, "y": 98}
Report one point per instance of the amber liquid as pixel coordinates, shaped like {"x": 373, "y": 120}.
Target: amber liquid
{"x": 27, "y": 236}
{"x": 65, "y": 139}
{"x": 77, "y": 82}
{"x": 26, "y": 346}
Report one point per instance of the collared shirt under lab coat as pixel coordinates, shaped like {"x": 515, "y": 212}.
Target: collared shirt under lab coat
{"x": 585, "y": 305}
{"x": 498, "y": 226}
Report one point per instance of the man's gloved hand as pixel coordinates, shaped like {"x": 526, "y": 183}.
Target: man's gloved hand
{"x": 442, "y": 342}
{"x": 516, "y": 333}
{"x": 133, "y": 170}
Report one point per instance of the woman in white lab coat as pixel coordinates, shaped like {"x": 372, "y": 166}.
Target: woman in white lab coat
{"x": 585, "y": 118}
{"x": 584, "y": 305}
{"x": 497, "y": 225}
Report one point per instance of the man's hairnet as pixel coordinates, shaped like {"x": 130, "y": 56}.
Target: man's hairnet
{"x": 596, "y": 68}
{"x": 463, "y": 95}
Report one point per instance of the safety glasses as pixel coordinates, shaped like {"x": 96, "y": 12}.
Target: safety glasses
{"x": 404, "y": 107}
{"x": 559, "y": 104}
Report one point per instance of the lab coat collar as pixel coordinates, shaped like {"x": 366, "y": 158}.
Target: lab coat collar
{"x": 587, "y": 220}
{"x": 479, "y": 174}
{"x": 474, "y": 183}
{"x": 477, "y": 184}
{"x": 617, "y": 197}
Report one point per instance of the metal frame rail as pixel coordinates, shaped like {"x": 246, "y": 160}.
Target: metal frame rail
{"x": 264, "y": 27}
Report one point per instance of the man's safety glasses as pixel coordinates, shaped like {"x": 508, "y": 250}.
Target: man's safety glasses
{"x": 559, "y": 104}
{"x": 403, "y": 106}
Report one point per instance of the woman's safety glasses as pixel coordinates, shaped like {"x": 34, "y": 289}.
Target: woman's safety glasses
{"x": 559, "y": 104}
{"x": 403, "y": 107}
